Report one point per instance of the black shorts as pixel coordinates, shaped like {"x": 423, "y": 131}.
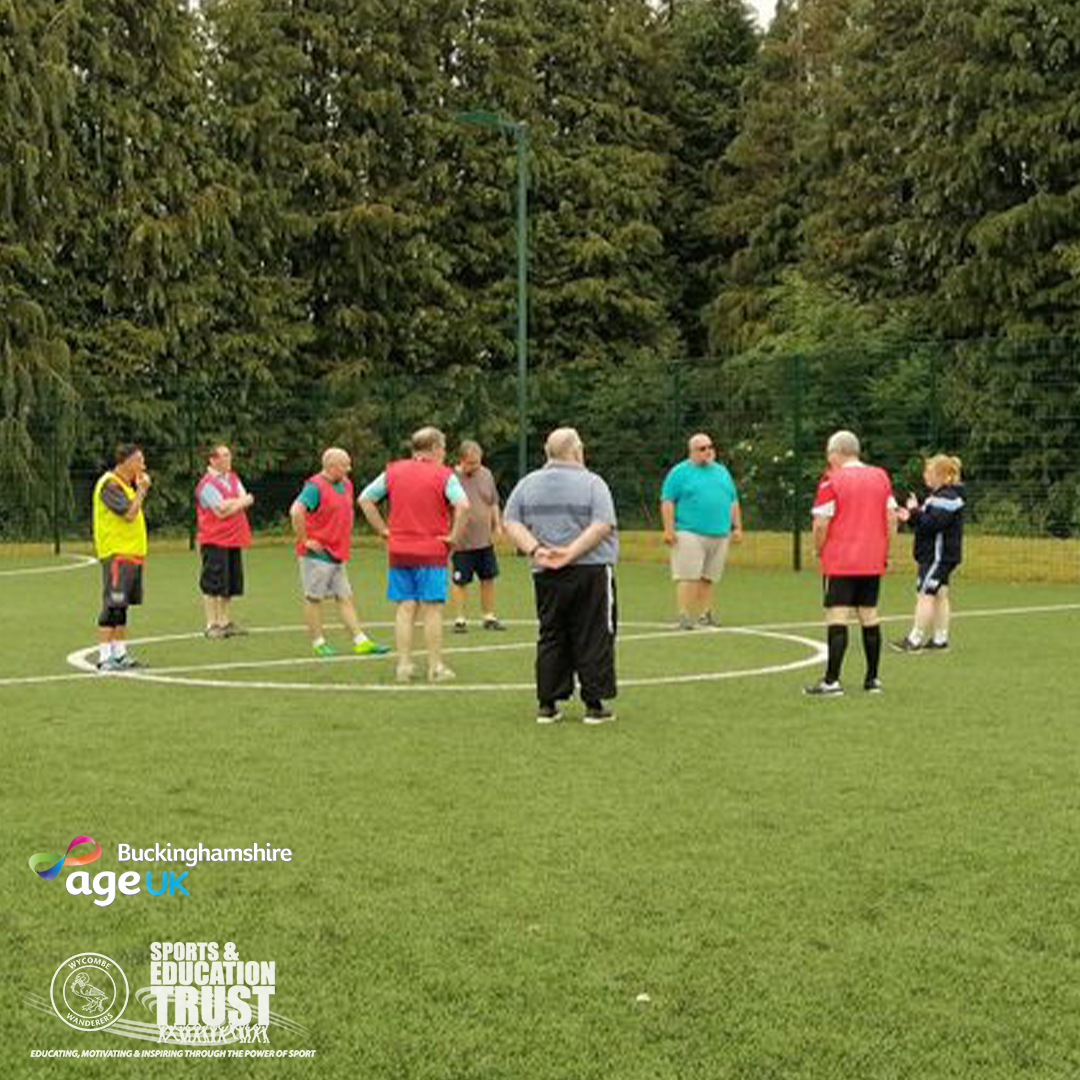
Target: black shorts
{"x": 933, "y": 576}
{"x": 480, "y": 561}
{"x": 121, "y": 582}
{"x": 222, "y": 571}
{"x": 855, "y": 590}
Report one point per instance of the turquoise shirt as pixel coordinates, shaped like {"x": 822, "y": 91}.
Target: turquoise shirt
{"x": 377, "y": 490}
{"x": 703, "y": 496}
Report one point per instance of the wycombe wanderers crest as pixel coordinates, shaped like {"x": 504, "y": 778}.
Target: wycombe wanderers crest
{"x": 89, "y": 991}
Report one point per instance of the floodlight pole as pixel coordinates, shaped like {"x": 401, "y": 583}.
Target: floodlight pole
{"x": 521, "y": 146}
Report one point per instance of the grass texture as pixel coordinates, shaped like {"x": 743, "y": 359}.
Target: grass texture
{"x": 869, "y": 887}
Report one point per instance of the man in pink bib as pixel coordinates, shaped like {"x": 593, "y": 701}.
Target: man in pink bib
{"x": 854, "y": 517}
{"x": 322, "y": 520}
{"x": 223, "y": 532}
{"x": 423, "y": 492}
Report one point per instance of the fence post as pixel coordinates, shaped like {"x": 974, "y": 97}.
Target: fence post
{"x": 676, "y": 406}
{"x": 55, "y": 486}
{"x": 935, "y": 397}
{"x": 796, "y": 461}
{"x": 193, "y": 465}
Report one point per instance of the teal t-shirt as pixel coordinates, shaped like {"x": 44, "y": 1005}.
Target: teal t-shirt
{"x": 309, "y": 498}
{"x": 703, "y": 496}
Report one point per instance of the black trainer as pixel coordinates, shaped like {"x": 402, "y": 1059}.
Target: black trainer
{"x": 906, "y": 645}
{"x": 548, "y": 714}
{"x": 598, "y": 714}
{"x": 872, "y": 686}
{"x": 936, "y": 646}
{"x": 824, "y": 689}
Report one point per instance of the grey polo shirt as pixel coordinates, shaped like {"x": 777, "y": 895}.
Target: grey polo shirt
{"x": 559, "y": 502}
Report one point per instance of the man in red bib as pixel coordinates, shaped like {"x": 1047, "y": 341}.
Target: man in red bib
{"x": 223, "y": 532}
{"x": 422, "y": 492}
{"x": 322, "y": 520}
{"x": 854, "y": 517}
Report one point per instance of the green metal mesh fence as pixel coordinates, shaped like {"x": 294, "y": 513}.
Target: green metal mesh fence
{"x": 1009, "y": 409}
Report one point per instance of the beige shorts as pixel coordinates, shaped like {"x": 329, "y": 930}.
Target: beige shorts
{"x": 321, "y": 579}
{"x": 695, "y": 557}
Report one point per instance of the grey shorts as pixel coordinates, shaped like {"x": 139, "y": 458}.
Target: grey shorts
{"x": 695, "y": 556}
{"x": 321, "y": 579}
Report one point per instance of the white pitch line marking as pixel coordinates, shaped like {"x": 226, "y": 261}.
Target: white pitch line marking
{"x": 78, "y": 658}
{"x": 81, "y": 561}
{"x": 818, "y": 653}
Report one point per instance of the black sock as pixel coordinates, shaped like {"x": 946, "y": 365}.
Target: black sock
{"x": 837, "y": 647}
{"x": 871, "y": 643}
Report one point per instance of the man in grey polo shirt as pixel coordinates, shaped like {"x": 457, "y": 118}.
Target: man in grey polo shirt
{"x": 563, "y": 517}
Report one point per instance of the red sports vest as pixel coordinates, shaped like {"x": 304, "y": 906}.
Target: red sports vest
{"x": 418, "y": 513}
{"x": 857, "y": 542}
{"x": 233, "y": 531}
{"x": 331, "y": 522}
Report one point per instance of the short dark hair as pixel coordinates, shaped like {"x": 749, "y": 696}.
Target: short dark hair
{"x": 126, "y": 450}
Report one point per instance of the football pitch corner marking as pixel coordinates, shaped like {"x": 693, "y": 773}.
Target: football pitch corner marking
{"x": 75, "y": 562}
{"x": 189, "y": 675}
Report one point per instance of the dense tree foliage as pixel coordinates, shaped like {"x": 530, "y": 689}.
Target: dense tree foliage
{"x": 265, "y": 221}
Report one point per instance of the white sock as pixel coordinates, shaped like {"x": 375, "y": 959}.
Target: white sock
{"x": 941, "y": 637}
{"x": 105, "y": 651}
{"x": 119, "y": 649}
{"x": 359, "y": 637}
{"x": 316, "y": 642}
{"x": 915, "y": 636}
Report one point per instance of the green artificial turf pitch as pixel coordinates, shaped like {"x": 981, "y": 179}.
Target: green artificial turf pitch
{"x": 855, "y": 888}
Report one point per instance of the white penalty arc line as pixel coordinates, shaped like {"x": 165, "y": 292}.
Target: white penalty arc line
{"x": 80, "y": 658}
{"x": 818, "y": 654}
{"x": 79, "y": 562}
{"x": 85, "y": 669}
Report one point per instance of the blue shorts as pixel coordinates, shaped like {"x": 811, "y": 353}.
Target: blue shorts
{"x": 424, "y": 583}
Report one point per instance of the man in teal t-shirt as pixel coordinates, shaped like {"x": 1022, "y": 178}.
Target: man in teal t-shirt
{"x": 699, "y": 507}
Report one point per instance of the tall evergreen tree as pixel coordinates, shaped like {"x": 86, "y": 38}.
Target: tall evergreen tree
{"x": 151, "y": 214}
{"x": 35, "y": 390}
{"x": 709, "y": 47}
{"x": 261, "y": 322}
{"x": 759, "y": 190}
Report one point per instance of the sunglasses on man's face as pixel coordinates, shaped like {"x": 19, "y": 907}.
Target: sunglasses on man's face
{"x": 707, "y": 446}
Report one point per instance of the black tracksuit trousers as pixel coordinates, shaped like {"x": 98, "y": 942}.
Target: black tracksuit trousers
{"x": 576, "y": 609}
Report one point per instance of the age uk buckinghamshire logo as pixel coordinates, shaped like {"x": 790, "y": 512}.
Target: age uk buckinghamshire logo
{"x": 53, "y": 863}
{"x": 89, "y": 992}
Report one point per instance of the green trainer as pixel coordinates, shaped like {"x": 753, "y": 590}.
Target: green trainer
{"x": 324, "y": 650}
{"x": 370, "y": 648}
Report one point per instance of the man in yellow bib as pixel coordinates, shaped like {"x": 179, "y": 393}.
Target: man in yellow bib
{"x": 120, "y": 545}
